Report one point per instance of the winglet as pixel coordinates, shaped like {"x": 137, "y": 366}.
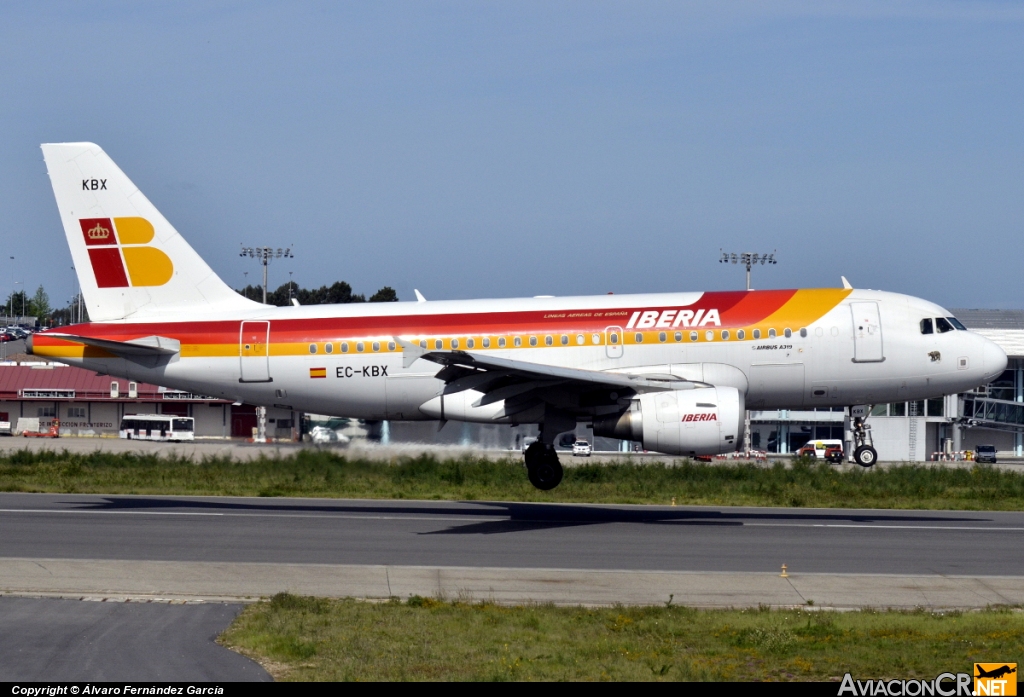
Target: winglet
{"x": 846, "y": 284}
{"x": 419, "y": 296}
{"x": 410, "y": 352}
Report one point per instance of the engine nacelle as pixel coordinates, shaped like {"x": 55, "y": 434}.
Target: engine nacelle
{"x": 704, "y": 421}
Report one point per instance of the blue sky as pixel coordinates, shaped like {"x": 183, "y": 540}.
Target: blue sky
{"x": 483, "y": 149}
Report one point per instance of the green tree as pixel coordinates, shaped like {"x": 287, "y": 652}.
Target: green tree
{"x": 386, "y": 294}
{"x": 41, "y": 304}
{"x": 15, "y": 304}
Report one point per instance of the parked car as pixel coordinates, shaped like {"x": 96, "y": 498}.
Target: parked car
{"x": 581, "y": 448}
{"x": 6, "y": 337}
{"x": 985, "y": 453}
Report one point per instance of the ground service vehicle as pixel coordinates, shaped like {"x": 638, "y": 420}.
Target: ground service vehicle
{"x": 161, "y": 427}
{"x": 818, "y": 448}
{"x": 581, "y": 448}
{"x": 834, "y": 454}
{"x": 673, "y": 372}
{"x": 985, "y": 453}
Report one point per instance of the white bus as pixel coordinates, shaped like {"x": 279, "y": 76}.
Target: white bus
{"x": 164, "y": 427}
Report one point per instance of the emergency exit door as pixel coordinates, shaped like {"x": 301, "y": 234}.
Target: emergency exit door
{"x": 254, "y": 349}
{"x": 867, "y": 333}
{"x": 613, "y": 342}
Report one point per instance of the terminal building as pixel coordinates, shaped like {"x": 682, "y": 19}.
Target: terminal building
{"x": 33, "y": 392}
{"x": 88, "y": 404}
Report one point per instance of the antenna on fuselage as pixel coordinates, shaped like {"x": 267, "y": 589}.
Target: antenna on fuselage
{"x": 748, "y": 259}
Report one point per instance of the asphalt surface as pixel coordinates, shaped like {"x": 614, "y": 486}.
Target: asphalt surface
{"x": 49, "y": 639}
{"x": 510, "y": 535}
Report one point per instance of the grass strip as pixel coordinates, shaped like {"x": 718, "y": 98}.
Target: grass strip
{"x": 300, "y": 638}
{"x": 317, "y": 473}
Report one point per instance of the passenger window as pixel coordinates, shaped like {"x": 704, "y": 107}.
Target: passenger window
{"x": 639, "y": 338}
{"x": 359, "y": 347}
{"x": 533, "y": 341}
{"x": 757, "y": 333}
{"x": 376, "y": 346}
{"x": 344, "y": 346}
{"x": 329, "y": 348}
{"x": 549, "y": 340}
{"x": 788, "y": 332}
{"x": 803, "y": 332}
{"x": 926, "y": 325}
{"x": 709, "y": 335}
{"x": 312, "y": 348}
{"x": 518, "y": 341}
{"x": 423, "y": 344}
{"x": 943, "y": 325}
{"x": 957, "y": 323}
{"x": 596, "y": 338}
{"x": 679, "y": 336}
{"x": 501, "y": 342}
{"x": 771, "y": 333}
{"x": 725, "y": 335}
{"x": 741, "y": 335}
{"x": 470, "y": 343}
{"x": 693, "y": 336}
{"x": 613, "y": 338}
{"x": 487, "y": 343}
{"x": 580, "y": 339}
{"x": 391, "y": 346}
{"x": 455, "y": 344}
{"x": 663, "y": 337}
{"x": 438, "y": 344}
{"x": 564, "y": 340}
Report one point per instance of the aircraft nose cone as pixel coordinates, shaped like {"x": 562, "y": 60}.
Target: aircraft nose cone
{"x": 994, "y": 360}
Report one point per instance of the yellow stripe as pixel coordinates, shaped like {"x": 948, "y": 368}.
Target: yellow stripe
{"x": 805, "y": 307}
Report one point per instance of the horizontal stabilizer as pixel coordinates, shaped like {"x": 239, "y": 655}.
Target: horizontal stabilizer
{"x": 146, "y": 346}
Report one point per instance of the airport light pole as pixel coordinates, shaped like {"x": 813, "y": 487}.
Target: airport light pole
{"x": 264, "y": 255}
{"x": 748, "y": 259}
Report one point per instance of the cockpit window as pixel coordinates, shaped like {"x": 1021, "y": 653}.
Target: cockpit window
{"x": 957, "y": 323}
{"x": 926, "y": 326}
{"x": 943, "y": 325}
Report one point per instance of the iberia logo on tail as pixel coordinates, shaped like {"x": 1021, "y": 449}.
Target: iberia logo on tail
{"x": 119, "y": 244}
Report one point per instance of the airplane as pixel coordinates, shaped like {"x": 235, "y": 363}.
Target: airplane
{"x": 673, "y": 371}
{"x": 995, "y": 672}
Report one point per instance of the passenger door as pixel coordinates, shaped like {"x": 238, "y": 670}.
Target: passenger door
{"x": 867, "y": 333}
{"x": 254, "y": 349}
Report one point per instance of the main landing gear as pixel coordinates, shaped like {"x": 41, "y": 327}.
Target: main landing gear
{"x": 542, "y": 465}
{"x": 864, "y": 453}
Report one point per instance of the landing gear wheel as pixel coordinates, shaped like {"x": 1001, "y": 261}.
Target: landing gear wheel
{"x": 543, "y": 467}
{"x": 865, "y": 456}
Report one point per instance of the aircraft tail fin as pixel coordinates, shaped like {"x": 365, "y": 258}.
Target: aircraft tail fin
{"x": 130, "y": 261}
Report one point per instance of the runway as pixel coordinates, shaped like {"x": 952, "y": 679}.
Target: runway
{"x": 238, "y": 547}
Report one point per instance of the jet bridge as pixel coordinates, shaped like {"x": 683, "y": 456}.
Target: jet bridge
{"x": 998, "y": 414}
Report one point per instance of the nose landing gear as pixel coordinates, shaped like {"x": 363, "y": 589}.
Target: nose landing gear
{"x": 542, "y": 466}
{"x": 864, "y": 453}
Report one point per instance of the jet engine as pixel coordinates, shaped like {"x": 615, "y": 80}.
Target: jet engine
{"x": 703, "y": 421}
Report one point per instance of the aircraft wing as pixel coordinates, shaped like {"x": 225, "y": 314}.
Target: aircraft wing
{"x": 146, "y": 346}
{"x": 523, "y": 384}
